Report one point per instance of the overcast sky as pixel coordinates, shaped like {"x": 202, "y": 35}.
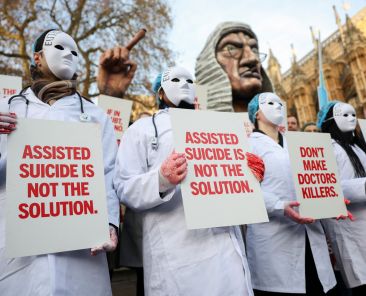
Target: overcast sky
{"x": 277, "y": 23}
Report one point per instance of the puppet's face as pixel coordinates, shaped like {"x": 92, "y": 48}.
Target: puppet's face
{"x": 61, "y": 54}
{"x": 345, "y": 117}
{"x": 177, "y": 84}
{"x": 272, "y": 107}
{"x": 238, "y": 55}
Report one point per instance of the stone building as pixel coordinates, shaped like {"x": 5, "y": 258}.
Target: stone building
{"x": 344, "y": 67}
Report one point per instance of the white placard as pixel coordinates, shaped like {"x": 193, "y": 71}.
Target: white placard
{"x": 315, "y": 175}
{"x": 362, "y": 123}
{"x": 119, "y": 110}
{"x": 55, "y": 190}
{"x": 9, "y": 86}
{"x": 220, "y": 189}
{"x": 201, "y": 94}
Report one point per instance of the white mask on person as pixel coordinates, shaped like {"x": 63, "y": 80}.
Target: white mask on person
{"x": 60, "y": 52}
{"x": 345, "y": 117}
{"x": 177, "y": 84}
{"x": 272, "y": 107}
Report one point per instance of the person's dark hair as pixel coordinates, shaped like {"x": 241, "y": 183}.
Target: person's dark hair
{"x": 346, "y": 141}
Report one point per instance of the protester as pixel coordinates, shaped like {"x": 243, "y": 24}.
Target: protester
{"x": 53, "y": 96}
{"x": 230, "y": 66}
{"x": 348, "y": 237}
{"x": 310, "y": 127}
{"x": 176, "y": 261}
{"x": 289, "y": 254}
{"x": 292, "y": 124}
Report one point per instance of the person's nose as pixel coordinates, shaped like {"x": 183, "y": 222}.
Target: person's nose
{"x": 248, "y": 56}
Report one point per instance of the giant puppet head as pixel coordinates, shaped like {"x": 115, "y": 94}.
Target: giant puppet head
{"x": 177, "y": 85}
{"x": 230, "y": 65}
{"x": 60, "y": 53}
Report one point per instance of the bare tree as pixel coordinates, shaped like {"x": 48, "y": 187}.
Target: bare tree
{"x": 95, "y": 25}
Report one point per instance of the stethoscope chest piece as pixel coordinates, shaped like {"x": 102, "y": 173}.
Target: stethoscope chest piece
{"x": 84, "y": 117}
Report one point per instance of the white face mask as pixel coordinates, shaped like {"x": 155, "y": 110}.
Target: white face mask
{"x": 61, "y": 54}
{"x": 177, "y": 84}
{"x": 345, "y": 117}
{"x": 272, "y": 107}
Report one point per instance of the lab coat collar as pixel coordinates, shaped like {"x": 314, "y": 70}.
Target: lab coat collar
{"x": 268, "y": 140}
{"x": 67, "y": 100}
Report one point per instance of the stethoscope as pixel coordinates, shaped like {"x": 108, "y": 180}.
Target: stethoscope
{"x": 84, "y": 117}
{"x": 155, "y": 140}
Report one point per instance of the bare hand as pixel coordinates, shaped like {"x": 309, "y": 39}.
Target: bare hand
{"x": 7, "y": 122}
{"x": 109, "y": 246}
{"x": 282, "y": 129}
{"x": 294, "y": 215}
{"x": 115, "y": 71}
{"x": 349, "y": 214}
{"x": 174, "y": 168}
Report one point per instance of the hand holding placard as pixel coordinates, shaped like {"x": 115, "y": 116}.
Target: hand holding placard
{"x": 349, "y": 214}
{"x": 294, "y": 215}
{"x": 109, "y": 246}
{"x": 172, "y": 171}
{"x": 7, "y": 122}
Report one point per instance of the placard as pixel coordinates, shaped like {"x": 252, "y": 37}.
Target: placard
{"x": 220, "y": 189}
{"x": 315, "y": 175}
{"x": 201, "y": 94}
{"x": 9, "y": 86}
{"x": 362, "y": 123}
{"x": 119, "y": 110}
{"x": 55, "y": 190}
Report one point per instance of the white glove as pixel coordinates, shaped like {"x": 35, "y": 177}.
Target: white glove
{"x": 109, "y": 246}
{"x": 294, "y": 215}
{"x": 172, "y": 171}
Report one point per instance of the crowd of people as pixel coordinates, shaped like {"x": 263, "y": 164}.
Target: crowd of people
{"x": 289, "y": 255}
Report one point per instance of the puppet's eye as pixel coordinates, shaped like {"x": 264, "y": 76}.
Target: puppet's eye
{"x": 60, "y": 47}
{"x": 175, "y": 80}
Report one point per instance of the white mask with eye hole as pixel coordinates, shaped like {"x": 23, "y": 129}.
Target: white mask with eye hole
{"x": 60, "y": 52}
{"x": 177, "y": 84}
{"x": 345, "y": 117}
{"x": 272, "y": 107}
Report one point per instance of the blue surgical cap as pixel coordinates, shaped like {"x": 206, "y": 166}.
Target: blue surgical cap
{"x": 253, "y": 107}
{"x": 157, "y": 83}
{"x": 323, "y": 113}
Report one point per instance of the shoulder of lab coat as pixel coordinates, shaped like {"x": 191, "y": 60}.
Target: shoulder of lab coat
{"x": 262, "y": 145}
{"x": 137, "y": 183}
{"x": 353, "y": 188}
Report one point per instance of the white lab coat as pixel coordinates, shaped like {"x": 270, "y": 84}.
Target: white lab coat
{"x": 349, "y": 238}
{"x": 65, "y": 273}
{"x": 177, "y": 261}
{"x": 276, "y": 250}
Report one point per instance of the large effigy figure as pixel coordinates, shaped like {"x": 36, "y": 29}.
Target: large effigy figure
{"x": 230, "y": 65}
